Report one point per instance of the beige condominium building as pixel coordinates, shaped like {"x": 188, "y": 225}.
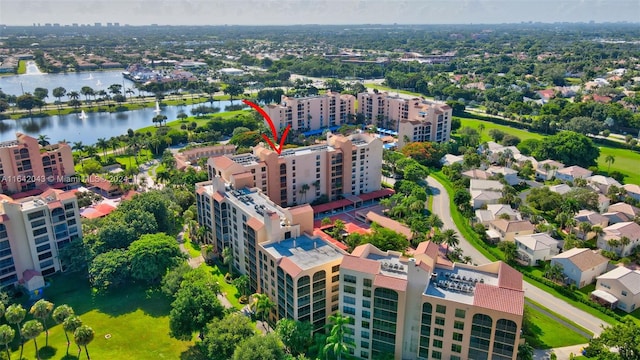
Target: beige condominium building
{"x": 350, "y": 165}
{"x": 25, "y": 165}
{"x": 427, "y": 308}
{"x": 273, "y": 247}
{"x": 414, "y": 119}
{"x": 312, "y": 112}
{"x": 33, "y": 230}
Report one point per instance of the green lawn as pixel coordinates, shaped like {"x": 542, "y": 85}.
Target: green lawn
{"x": 200, "y": 121}
{"x": 626, "y": 161}
{"x": 473, "y": 123}
{"x": 546, "y": 331}
{"x": 22, "y": 67}
{"x": 191, "y": 247}
{"x": 130, "y": 323}
{"x": 230, "y": 290}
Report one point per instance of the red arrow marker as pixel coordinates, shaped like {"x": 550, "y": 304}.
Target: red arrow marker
{"x": 275, "y": 148}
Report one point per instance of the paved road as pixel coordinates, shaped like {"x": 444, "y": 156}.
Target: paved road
{"x": 587, "y": 321}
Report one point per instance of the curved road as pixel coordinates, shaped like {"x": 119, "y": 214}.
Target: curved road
{"x": 586, "y": 320}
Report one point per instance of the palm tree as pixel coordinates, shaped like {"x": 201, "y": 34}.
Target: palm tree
{"x": 91, "y": 150}
{"x": 60, "y": 314}
{"x": 480, "y": 128}
{"x": 609, "y": 159}
{"x": 83, "y": 336}
{"x": 262, "y": 305}
{"x": 6, "y": 337}
{"x": 525, "y": 352}
{"x": 103, "y": 144}
{"x": 336, "y": 342}
{"x": 303, "y": 190}
{"x": 31, "y": 330}
{"x": 227, "y": 258}
{"x": 115, "y": 144}
{"x": 15, "y": 315}
{"x": 70, "y": 324}
{"x": 43, "y": 140}
{"x": 78, "y": 146}
{"x": 584, "y": 227}
{"x": 41, "y": 310}
{"x": 242, "y": 283}
{"x": 450, "y": 238}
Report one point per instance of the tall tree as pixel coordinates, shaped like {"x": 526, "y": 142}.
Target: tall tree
{"x": 6, "y": 337}
{"x": 195, "y": 305}
{"x": 609, "y": 159}
{"x": 83, "y": 336}
{"x": 260, "y": 347}
{"x": 14, "y": 315}
{"x": 70, "y": 324}
{"x": 295, "y": 335}
{"x": 450, "y": 238}
{"x": 103, "y": 144}
{"x": 152, "y": 255}
{"x": 223, "y": 336}
{"x": 43, "y": 140}
{"x": 60, "y": 314}
{"x": 31, "y": 330}
{"x": 41, "y": 310}
{"x": 227, "y": 258}
{"x": 262, "y": 305}
{"x": 337, "y": 343}
{"x": 58, "y": 93}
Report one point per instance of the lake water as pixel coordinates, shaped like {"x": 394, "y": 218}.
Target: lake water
{"x": 97, "y": 125}
{"x": 97, "y": 80}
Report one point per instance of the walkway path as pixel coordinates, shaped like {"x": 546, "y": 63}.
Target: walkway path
{"x": 582, "y": 318}
{"x": 554, "y": 317}
{"x": 563, "y": 353}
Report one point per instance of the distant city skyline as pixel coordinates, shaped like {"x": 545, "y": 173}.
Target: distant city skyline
{"x": 293, "y": 12}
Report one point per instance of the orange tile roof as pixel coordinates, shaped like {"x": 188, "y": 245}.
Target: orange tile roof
{"x": 222, "y": 162}
{"x": 390, "y": 283}
{"x": 499, "y": 299}
{"x": 361, "y": 265}
{"x": 218, "y": 197}
{"x": 289, "y": 267}
{"x": 255, "y": 224}
{"x": 509, "y": 277}
{"x": 389, "y": 224}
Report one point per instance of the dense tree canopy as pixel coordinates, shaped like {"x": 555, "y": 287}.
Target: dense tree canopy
{"x": 569, "y": 148}
{"x": 222, "y": 336}
{"x": 152, "y": 255}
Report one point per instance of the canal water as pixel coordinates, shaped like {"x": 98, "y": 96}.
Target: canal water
{"x": 73, "y": 127}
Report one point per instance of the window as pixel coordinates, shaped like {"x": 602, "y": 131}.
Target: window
{"x": 438, "y": 332}
{"x": 440, "y": 321}
{"x": 456, "y": 348}
{"x": 441, "y": 309}
{"x": 366, "y": 282}
{"x": 458, "y": 325}
{"x": 350, "y": 279}
{"x": 457, "y": 336}
{"x": 436, "y": 354}
{"x": 335, "y": 268}
{"x": 437, "y": 344}
{"x": 366, "y": 293}
{"x": 624, "y": 293}
{"x": 460, "y": 313}
{"x": 349, "y": 289}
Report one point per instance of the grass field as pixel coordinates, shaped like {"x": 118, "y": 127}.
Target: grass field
{"x": 626, "y": 161}
{"x": 546, "y": 331}
{"x": 200, "y": 121}
{"x": 22, "y": 67}
{"x": 129, "y": 324}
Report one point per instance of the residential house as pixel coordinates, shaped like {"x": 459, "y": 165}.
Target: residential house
{"x": 484, "y": 192}
{"x": 450, "y": 159}
{"x": 629, "y": 210}
{"x": 520, "y": 160}
{"x": 536, "y": 248}
{"x": 619, "y": 288}
{"x": 495, "y": 152}
{"x": 509, "y": 229}
{"x": 580, "y": 266}
{"x": 476, "y": 174}
{"x": 560, "y": 188}
{"x": 573, "y": 172}
{"x": 633, "y": 191}
{"x": 509, "y": 175}
{"x": 602, "y": 183}
{"x": 620, "y": 238}
{"x": 547, "y": 169}
{"x": 592, "y": 218}
{"x": 495, "y": 211}
{"x": 603, "y": 203}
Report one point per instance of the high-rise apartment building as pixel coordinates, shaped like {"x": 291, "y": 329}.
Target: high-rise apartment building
{"x": 413, "y": 119}
{"x": 350, "y": 165}
{"x": 312, "y": 112}
{"x": 426, "y": 308}
{"x": 33, "y": 230}
{"x": 273, "y": 247}
{"x": 25, "y": 165}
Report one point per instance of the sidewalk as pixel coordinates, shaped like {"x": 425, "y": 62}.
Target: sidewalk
{"x": 562, "y": 353}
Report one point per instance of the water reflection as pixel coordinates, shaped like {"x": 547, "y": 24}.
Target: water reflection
{"x": 97, "y": 125}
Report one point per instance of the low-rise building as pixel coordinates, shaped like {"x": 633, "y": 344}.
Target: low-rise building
{"x": 190, "y": 157}
{"x": 632, "y": 190}
{"x": 560, "y": 188}
{"x": 495, "y": 211}
{"x": 547, "y": 169}
{"x": 509, "y": 229}
{"x": 509, "y": 175}
{"x": 619, "y": 288}
{"x": 426, "y": 308}
{"x": 593, "y": 219}
{"x": 580, "y": 266}
{"x": 620, "y": 238}
{"x": 601, "y": 183}
{"x": 536, "y": 248}
{"x": 573, "y": 172}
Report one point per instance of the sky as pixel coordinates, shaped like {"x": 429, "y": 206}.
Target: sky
{"x": 291, "y": 12}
